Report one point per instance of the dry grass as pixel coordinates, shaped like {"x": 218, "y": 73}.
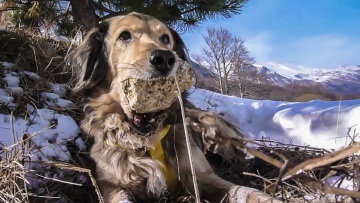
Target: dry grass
{"x": 55, "y": 181}
{"x": 35, "y": 54}
{"x": 71, "y": 184}
{"x": 13, "y": 183}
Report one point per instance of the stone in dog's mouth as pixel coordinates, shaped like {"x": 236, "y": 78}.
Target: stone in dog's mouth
{"x": 153, "y": 95}
{"x": 144, "y": 122}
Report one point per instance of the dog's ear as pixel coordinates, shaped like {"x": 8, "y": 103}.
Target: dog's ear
{"x": 179, "y": 46}
{"x": 89, "y": 60}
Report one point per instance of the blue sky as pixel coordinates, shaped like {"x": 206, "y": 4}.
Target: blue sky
{"x": 312, "y": 33}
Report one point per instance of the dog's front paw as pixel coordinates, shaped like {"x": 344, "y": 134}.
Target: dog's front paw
{"x": 215, "y": 131}
{"x": 116, "y": 196}
{"x": 242, "y": 194}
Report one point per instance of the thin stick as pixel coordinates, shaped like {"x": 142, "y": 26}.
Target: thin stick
{"x": 257, "y": 176}
{"x": 58, "y": 180}
{"x": 197, "y": 196}
{"x": 46, "y": 197}
{"x": 337, "y": 120}
{"x": 84, "y": 170}
{"x": 329, "y": 189}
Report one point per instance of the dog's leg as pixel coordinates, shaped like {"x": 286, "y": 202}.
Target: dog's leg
{"x": 211, "y": 187}
{"x": 114, "y": 194}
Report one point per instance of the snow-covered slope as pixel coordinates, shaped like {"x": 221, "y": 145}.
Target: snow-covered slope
{"x": 324, "y": 124}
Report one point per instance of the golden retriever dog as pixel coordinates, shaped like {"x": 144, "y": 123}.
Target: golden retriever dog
{"x": 142, "y": 46}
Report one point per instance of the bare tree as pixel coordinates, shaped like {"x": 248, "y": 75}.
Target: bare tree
{"x": 248, "y": 82}
{"x": 243, "y": 74}
{"x": 225, "y": 54}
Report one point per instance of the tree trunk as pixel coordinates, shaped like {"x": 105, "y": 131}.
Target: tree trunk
{"x": 241, "y": 91}
{"x": 221, "y": 85}
{"x": 226, "y": 84}
{"x": 84, "y": 14}
{"x": 220, "y": 80}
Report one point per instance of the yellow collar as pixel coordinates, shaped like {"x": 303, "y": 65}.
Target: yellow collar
{"x": 157, "y": 153}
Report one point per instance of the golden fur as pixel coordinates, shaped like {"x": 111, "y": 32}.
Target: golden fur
{"x": 123, "y": 167}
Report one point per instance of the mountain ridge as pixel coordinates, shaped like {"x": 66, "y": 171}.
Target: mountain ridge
{"x": 342, "y": 80}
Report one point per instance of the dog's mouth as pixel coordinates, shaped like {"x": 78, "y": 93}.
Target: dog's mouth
{"x": 144, "y": 123}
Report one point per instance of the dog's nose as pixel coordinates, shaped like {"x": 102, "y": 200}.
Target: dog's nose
{"x": 162, "y": 60}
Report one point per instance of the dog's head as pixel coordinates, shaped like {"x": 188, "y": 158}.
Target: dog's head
{"x": 121, "y": 47}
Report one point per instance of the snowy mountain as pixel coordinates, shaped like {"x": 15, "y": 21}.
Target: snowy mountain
{"x": 344, "y": 79}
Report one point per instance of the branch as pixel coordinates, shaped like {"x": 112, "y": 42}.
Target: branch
{"x": 329, "y": 189}
{"x": 322, "y": 160}
{"x": 8, "y": 9}
{"x": 103, "y": 8}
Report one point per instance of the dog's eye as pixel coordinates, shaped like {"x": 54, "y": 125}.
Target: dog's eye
{"x": 125, "y": 35}
{"x": 165, "y": 39}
